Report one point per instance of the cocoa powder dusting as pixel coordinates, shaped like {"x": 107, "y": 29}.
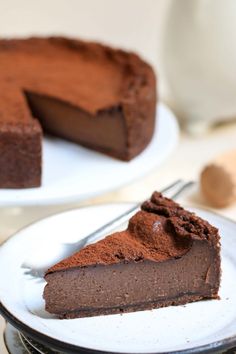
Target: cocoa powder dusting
{"x": 66, "y": 69}
{"x": 160, "y": 231}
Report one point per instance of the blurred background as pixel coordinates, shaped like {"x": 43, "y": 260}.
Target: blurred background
{"x": 134, "y": 24}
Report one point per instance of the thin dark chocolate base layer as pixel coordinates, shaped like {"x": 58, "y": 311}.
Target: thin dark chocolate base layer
{"x": 180, "y": 300}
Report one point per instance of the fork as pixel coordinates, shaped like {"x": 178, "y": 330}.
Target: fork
{"x": 69, "y": 248}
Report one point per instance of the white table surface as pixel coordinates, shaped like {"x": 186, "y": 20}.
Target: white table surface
{"x": 186, "y": 162}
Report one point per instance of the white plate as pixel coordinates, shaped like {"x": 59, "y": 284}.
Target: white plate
{"x": 200, "y": 326}
{"x": 73, "y": 173}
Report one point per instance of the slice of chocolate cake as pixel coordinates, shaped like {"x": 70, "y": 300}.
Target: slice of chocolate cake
{"x": 88, "y": 93}
{"x": 167, "y": 256}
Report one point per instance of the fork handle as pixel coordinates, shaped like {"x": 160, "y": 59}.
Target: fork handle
{"x": 124, "y": 217}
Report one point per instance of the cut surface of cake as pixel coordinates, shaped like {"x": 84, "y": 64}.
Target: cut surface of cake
{"x": 167, "y": 256}
{"x": 99, "y": 97}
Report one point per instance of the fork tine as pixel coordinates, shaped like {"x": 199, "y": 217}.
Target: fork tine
{"x": 185, "y": 186}
{"x": 172, "y": 185}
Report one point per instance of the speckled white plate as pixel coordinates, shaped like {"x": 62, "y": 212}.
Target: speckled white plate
{"x": 73, "y": 173}
{"x": 203, "y": 326}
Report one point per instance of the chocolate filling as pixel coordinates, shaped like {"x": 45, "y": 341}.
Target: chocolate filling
{"x": 123, "y": 286}
{"x": 104, "y": 132}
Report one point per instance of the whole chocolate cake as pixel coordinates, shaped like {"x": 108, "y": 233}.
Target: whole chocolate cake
{"x": 167, "y": 256}
{"x": 88, "y": 93}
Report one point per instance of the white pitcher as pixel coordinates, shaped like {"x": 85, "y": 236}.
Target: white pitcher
{"x": 199, "y": 59}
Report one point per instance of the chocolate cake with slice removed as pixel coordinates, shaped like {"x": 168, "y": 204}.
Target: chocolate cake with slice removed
{"x": 88, "y": 93}
{"x": 167, "y": 256}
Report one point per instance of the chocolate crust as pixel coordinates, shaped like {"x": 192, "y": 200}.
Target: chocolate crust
{"x": 21, "y": 155}
{"x": 80, "y": 76}
{"x": 152, "y": 305}
{"x": 184, "y": 223}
